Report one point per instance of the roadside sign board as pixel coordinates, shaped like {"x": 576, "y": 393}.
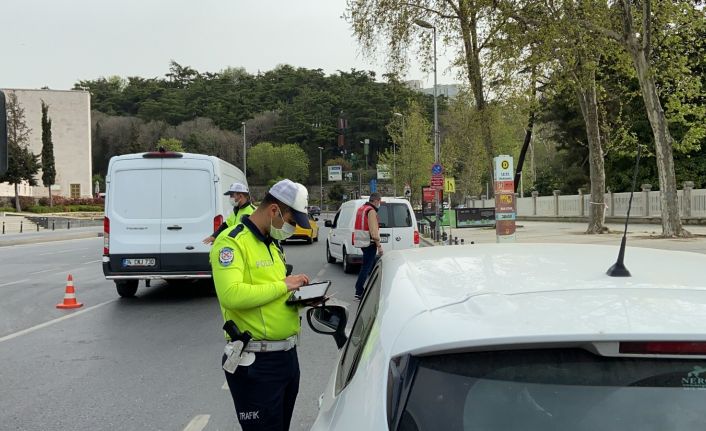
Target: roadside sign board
{"x": 505, "y": 202}
{"x": 429, "y": 200}
{"x": 384, "y": 172}
{"x": 335, "y": 173}
{"x": 373, "y": 185}
{"x": 437, "y": 182}
{"x": 437, "y": 169}
{"x": 449, "y": 185}
{"x": 504, "y": 187}
{"x": 503, "y": 168}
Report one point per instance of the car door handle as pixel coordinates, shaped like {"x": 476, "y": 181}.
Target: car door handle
{"x": 174, "y": 227}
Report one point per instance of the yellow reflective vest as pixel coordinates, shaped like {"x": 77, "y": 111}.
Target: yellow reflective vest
{"x": 248, "y": 272}
{"x": 236, "y": 216}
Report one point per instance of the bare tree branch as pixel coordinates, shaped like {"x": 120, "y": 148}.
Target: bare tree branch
{"x": 455, "y": 8}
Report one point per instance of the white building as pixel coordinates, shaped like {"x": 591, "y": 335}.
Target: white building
{"x": 70, "y": 114}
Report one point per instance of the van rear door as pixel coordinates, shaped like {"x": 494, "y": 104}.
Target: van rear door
{"x": 396, "y": 226}
{"x": 188, "y": 207}
{"x": 134, "y": 209}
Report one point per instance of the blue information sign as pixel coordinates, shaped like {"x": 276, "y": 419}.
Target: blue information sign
{"x": 373, "y": 185}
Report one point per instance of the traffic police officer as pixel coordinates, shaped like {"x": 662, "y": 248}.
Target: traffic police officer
{"x": 240, "y": 199}
{"x": 252, "y": 287}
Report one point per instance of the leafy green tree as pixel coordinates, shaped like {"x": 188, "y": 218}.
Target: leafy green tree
{"x": 48, "y": 167}
{"x": 268, "y": 162}
{"x": 170, "y": 144}
{"x": 22, "y": 164}
{"x": 634, "y": 26}
{"x": 415, "y": 150}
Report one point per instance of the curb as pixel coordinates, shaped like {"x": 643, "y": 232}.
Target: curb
{"x": 24, "y": 241}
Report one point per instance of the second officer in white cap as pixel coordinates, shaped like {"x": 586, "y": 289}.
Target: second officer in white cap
{"x": 240, "y": 199}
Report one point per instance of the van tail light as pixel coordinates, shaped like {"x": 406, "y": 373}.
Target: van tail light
{"x": 217, "y": 222}
{"x": 106, "y": 236}
{"x": 416, "y": 237}
{"x": 663, "y": 348}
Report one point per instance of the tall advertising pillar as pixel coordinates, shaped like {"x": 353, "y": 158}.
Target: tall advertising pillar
{"x": 505, "y": 212}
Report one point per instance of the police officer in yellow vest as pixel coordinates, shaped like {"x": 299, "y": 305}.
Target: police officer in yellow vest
{"x": 252, "y": 287}
{"x": 240, "y": 199}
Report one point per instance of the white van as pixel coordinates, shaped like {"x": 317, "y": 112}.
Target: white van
{"x": 159, "y": 207}
{"x": 398, "y": 230}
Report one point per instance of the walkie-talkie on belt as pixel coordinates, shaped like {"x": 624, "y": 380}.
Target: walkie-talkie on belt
{"x": 234, "y": 349}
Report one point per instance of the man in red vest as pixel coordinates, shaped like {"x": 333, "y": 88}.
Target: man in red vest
{"x": 367, "y": 228}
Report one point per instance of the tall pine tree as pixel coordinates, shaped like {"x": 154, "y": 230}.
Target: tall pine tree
{"x": 48, "y": 168}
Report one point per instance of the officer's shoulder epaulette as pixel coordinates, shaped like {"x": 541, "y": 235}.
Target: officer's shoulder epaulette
{"x": 233, "y": 233}
{"x": 253, "y": 206}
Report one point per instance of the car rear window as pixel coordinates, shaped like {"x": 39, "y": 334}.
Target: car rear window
{"x": 394, "y": 215}
{"x": 555, "y": 389}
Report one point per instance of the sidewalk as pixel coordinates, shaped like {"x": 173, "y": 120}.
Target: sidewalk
{"x": 639, "y": 235}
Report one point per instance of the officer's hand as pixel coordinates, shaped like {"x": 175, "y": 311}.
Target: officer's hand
{"x": 294, "y": 282}
{"x": 209, "y": 240}
{"x": 380, "y": 250}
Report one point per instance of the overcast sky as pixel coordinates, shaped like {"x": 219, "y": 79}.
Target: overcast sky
{"x": 57, "y": 43}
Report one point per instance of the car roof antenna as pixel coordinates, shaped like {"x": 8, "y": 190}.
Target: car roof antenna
{"x": 618, "y": 269}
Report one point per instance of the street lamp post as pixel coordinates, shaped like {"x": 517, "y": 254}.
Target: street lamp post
{"x": 245, "y": 156}
{"x": 424, "y": 24}
{"x": 321, "y": 177}
{"x": 394, "y": 155}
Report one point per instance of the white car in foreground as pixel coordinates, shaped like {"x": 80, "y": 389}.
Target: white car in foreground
{"x": 523, "y": 337}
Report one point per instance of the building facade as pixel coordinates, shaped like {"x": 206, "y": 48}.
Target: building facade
{"x": 70, "y": 114}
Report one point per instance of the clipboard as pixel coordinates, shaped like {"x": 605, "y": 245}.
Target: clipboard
{"x": 309, "y": 292}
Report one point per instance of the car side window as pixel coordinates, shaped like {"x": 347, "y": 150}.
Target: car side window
{"x": 360, "y": 332}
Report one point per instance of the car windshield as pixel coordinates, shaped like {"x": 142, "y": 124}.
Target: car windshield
{"x": 555, "y": 389}
{"x": 394, "y": 215}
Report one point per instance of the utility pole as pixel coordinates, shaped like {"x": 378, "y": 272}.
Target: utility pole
{"x": 321, "y": 177}
{"x": 245, "y": 156}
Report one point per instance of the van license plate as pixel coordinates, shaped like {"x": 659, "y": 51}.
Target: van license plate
{"x": 383, "y": 239}
{"x": 139, "y": 262}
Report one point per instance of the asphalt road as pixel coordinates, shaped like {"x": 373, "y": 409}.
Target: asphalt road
{"x": 150, "y": 362}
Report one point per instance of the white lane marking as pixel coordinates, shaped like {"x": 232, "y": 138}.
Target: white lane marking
{"x": 93, "y": 261}
{"x": 14, "y": 282}
{"x": 225, "y": 386}
{"x": 44, "y": 270}
{"x": 52, "y": 322}
{"x": 321, "y": 273}
{"x": 55, "y": 252}
{"x": 198, "y": 423}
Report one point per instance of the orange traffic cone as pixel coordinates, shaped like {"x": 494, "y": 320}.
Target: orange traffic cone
{"x": 69, "y": 296}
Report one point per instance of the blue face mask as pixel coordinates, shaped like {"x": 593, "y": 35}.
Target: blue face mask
{"x": 284, "y": 232}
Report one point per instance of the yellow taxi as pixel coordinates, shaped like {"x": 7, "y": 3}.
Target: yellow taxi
{"x": 309, "y": 235}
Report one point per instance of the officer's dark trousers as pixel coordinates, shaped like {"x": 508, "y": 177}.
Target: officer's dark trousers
{"x": 264, "y": 392}
{"x": 369, "y": 255}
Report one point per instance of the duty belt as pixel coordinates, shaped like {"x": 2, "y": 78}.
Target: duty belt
{"x": 271, "y": 346}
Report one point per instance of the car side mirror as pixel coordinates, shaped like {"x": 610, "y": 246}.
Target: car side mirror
{"x": 330, "y": 320}
{"x": 316, "y": 219}
{"x": 328, "y": 223}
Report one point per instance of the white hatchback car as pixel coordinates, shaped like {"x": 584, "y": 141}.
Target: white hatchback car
{"x": 523, "y": 337}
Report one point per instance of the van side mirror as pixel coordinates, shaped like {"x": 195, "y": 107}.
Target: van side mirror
{"x": 331, "y": 320}
{"x": 328, "y": 223}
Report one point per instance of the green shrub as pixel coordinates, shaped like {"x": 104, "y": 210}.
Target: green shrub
{"x": 7, "y": 210}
